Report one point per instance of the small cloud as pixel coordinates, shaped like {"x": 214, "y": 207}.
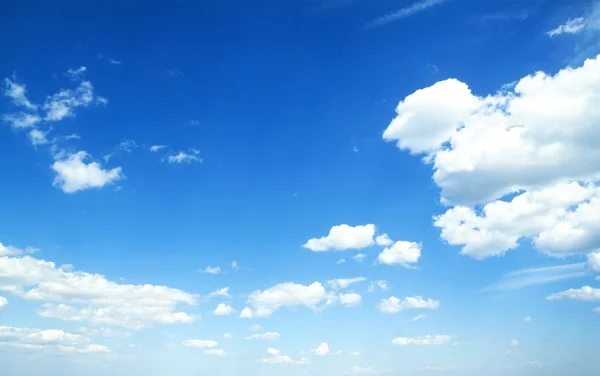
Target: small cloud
{"x": 255, "y": 327}
{"x": 354, "y": 149}
{"x": 73, "y": 136}
{"x": 432, "y": 68}
{"x": 360, "y": 257}
{"x": 128, "y": 145}
{"x": 185, "y": 157}
{"x": 155, "y": 148}
{"x": 228, "y": 336}
{"x": 17, "y": 92}
{"x": 234, "y": 266}
{"x": 194, "y": 122}
{"x": 340, "y": 261}
{"x": 101, "y": 101}
{"x": 221, "y": 293}
{"x": 514, "y": 343}
{"x": 269, "y": 336}
{"x": 354, "y": 353}
{"x": 572, "y": 26}
{"x": 76, "y": 74}
{"x": 223, "y": 310}
{"x": 246, "y": 313}
{"x": 528, "y": 319}
{"x": 74, "y": 173}
{"x": 382, "y": 284}
{"x": 418, "y": 317}
{"x": 110, "y": 60}
{"x": 414, "y": 8}
{"x": 38, "y": 137}
{"x": 212, "y": 270}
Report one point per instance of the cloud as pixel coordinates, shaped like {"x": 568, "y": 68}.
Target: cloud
{"x": 212, "y": 270}
{"x": 128, "y": 145}
{"x": 276, "y": 358}
{"x": 585, "y": 294}
{"x": 21, "y": 120}
{"x": 438, "y": 368}
{"x": 513, "y": 343}
{"x": 216, "y": 352}
{"x": 74, "y": 174}
{"x": 572, "y": 26}
{"x": 76, "y": 74}
{"x": 155, "y": 148}
{"x": 14, "y": 251}
{"x": 286, "y": 295}
{"x": 223, "y": 310}
{"x": 383, "y": 240}
{"x": 423, "y": 341}
{"x": 268, "y": 336}
{"x": 418, "y": 317}
{"x": 354, "y": 353}
{"x": 246, "y": 313}
{"x": 17, "y": 93}
{"x": 593, "y": 262}
{"x": 596, "y": 310}
{"x": 359, "y": 257}
{"x": 220, "y": 293}
{"x": 62, "y": 104}
{"x": 343, "y": 237}
{"x": 401, "y": 253}
{"x": 340, "y": 261}
{"x": 235, "y": 266}
{"x": 255, "y": 327}
{"x": 538, "y": 276}
{"x": 103, "y": 332}
{"x": 110, "y": 60}
{"x": 321, "y": 350}
{"x": 38, "y": 137}
{"x": 200, "y": 343}
{"x": 395, "y": 305}
{"x": 84, "y": 297}
{"x": 528, "y": 319}
{"x": 414, "y": 8}
{"x": 342, "y": 283}
{"x": 3, "y": 302}
{"x": 382, "y": 284}
{"x": 228, "y": 336}
{"x": 368, "y": 370}
{"x": 185, "y": 157}
{"x": 350, "y": 300}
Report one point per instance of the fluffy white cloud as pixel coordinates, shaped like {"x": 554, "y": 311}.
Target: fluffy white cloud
{"x": 383, "y": 240}
{"x": 200, "y": 343}
{"x": 593, "y": 261}
{"x": 359, "y": 257}
{"x": 223, "y": 310}
{"x": 586, "y": 294}
{"x": 401, "y": 253}
{"x": 538, "y": 132}
{"x": 38, "y": 137}
{"x": 321, "y": 350}
{"x": 268, "y": 336}
{"x": 286, "y": 295}
{"x": 21, "y": 120}
{"x": 423, "y": 341}
{"x": 17, "y": 93}
{"x": 92, "y": 297}
{"x": 343, "y": 237}
{"x": 246, "y": 313}
{"x": 276, "y": 358}
{"x": 192, "y": 155}
{"x": 342, "y": 283}
{"x": 63, "y": 103}
{"x": 418, "y": 317}
{"x": 382, "y": 284}
{"x": 216, "y": 352}
{"x": 572, "y": 26}
{"x": 3, "y": 302}
{"x": 128, "y": 145}
{"x": 350, "y": 300}
{"x": 212, "y": 269}
{"x": 220, "y": 293}
{"x": 395, "y": 305}
{"x": 74, "y": 174}
{"x": 9, "y": 250}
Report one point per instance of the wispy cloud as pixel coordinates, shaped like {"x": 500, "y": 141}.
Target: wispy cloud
{"x": 403, "y": 13}
{"x": 573, "y": 26}
{"x": 110, "y": 60}
{"x": 538, "y": 276}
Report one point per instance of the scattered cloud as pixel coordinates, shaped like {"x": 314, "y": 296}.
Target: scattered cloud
{"x": 268, "y": 336}
{"x": 382, "y": 284}
{"x": 401, "y": 253}
{"x": 343, "y": 237}
{"x": 340, "y": 261}
{"x": 200, "y": 343}
{"x": 286, "y": 295}
{"x": 235, "y": 266}
{"x": 275, "y": 357}
{"x": 109, "y": 59}
{"x": 73, "y": 174}
{"x": 395, "y": 305}
{"x": 216, "y": 352}
{"x": 228, "y": 336}
{"x": 596, "y": 310}
{"x": 418, "y": 317}
{"x": 76, "y": 74}
{"x": 368, "y": 370}
{"x": 423, "y": 341}
{"x": 155, "y": 148}
{"x": 223, "y": 310}
{"x": 212, "y": 270}
{"x": 185, "y": 157}
{"x": 359, "y": 257}
{"x": 342, "y": 283}
{"x": 21, "y": 120}
{"x": 585, "y": 294}
{"x": 350, "y": 300}
{"x": 572, "y": 26}
{"x": 513, "y": 343}
{"x": 246, "y": 313}
{"x": 220, "y": 293}
{"x": 63, "y": 104}
{"x": 17, "y": 92}
{"x": 322, "y": 350}
{"x": 128, "y": 145}
{"x": 255, "y": 327}
{"x": 103, "y": 332}
{"x": 528, "y": 319}
{"x": 538, "y": 276}
{"x": 3, "y": 302}
{"x": 397, "y": 15}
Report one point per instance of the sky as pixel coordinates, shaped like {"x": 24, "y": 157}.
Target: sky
{"x": 300, "y": 187}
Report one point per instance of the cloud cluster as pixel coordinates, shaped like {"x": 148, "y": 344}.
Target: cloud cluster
{"x": 275, "y": 357}
{"x": 423, "y": 341}
{"x": 395, "y": 305}
{"x": 74, "y": 172}
{"x": 287, "y": 294}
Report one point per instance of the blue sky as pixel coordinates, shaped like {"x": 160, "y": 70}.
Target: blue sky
{"x": 325, "y": 187}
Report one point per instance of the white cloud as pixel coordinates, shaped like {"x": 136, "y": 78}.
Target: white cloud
{"x": 359, "y": 257}
{"x": 395, "y": 305}
{"x": 593, "y": 262}
{"x": 268, "y": 336}
{"x": 401, "y": 253}
{"x": 383, "y": 240}
{"x": 216, "y": 352}
{"x": 286, "y": 295}
{"x": 221, "y": 293}
{"x": 93, "y": 298}
{"x": 155, "y": 148}
{"x": 255, "y": 327}
{"x": 536, "y": 133}
{"x": 343, "y": 237}
{"x": 76, "y": 74}
{"x": 21, "y": 120}
{"x": 235, "y": 266}
{"x": 3, "y": 302}
{"x": 246, "y": 313}
{"x": 223, "y": 310}
{"x": 212, "y": 270}
{"x": 572, "y": 26}
{"x": 416, "y": 7}
{"x": 537, "y": 276}
{"x": 342, "y": 283}
{"x": 423, "y": 341}
{"x": 62, "y": 104}
{"x": 128, "y": 145}
{"x": 513, "y": 343}
{"x": 17, "y": 93}
{"x": 528, "y": 319}
{"x": 418, "y": 317}
{"x": 103, "y": 332}
{"x": 38, "y": 137}
{"x": 596, "y": 310}
{"x": 438, "y": 368}
{"x": 200, "y": 343}
{"x": 74, "y": 174}
{"x": 368, "y": 370}
{"x": 354, "y": 353}
{"x": 350, "y": 300}
{"x": 9, "y": 250}
{"x": 321, "y": 350}
{"x": 586, "y": 294}
{"x": 340, "y": 261}
{"x": 276, "y": 358}
{"x": 185, "y": 157}
{"x": 382, "y": 284}
{"x": 228, "y": 336}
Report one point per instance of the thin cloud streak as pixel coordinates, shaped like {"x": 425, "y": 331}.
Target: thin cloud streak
{"x": 403, "y": 13}
{"x": 519, "y": 279}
